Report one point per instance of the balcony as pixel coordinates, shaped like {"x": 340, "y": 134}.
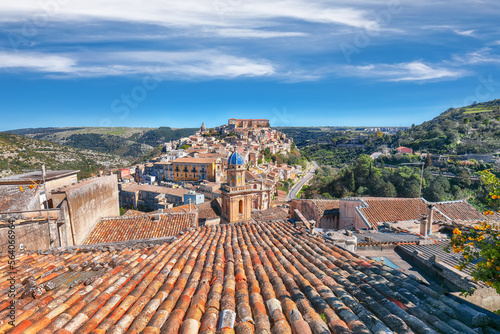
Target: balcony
{"x": 234, "y": 190}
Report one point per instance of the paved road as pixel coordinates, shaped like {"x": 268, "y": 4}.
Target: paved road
{"x": 295, "y": 190}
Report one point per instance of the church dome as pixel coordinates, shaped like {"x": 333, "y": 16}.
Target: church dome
{"x": 203, "y": 128}
{"x": 235, "y": 159}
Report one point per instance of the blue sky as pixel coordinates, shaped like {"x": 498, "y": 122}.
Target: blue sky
{"x": 296, "y": 62}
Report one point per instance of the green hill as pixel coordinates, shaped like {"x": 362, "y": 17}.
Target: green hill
{"x": 18, "y": 153}
{"x": 470, "y": 129}
{"x": 129, "y": 143}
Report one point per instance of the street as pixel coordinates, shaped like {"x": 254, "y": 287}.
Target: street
{"x": 296, "y": 188}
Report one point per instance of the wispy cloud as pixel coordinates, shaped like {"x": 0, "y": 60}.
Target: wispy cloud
{"x": 36, "y": 62}
{"x": 412, "y": 71}
{"x": 464, "y": 32}
{"x": 481, "y": 56}
{"x": 216, "y": 13}
{"x": 255, "y": 33}
{"x": 452, "y": 28}
{"x": 170, "y": 65}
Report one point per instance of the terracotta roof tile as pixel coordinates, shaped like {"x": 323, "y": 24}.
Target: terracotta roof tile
{"x": 241, "y": 278}
{"x": 140, "y": 227}
{"x": 326, "y": 205}
{"x": 155, "y": 189}
{"x": 460, "y": 211}
{"x": 195, "y": 160}
{"x": 133, "y": 213}
{"x": 386, "y": 209}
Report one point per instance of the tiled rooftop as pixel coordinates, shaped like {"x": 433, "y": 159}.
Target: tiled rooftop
{"x": 274, "y": 213}
{"x": 243, "y": 278}
{"x": 195, "y": 160}
{"x": 140, "y": 227}
{"x": 155, "y": 189}
{"x": 437, "y": 249}
{"x": 459, "y": 211}
{"x": 386, "y": 209}
{"x": 133, "y": 213}
{"x": 206, "y": 211}
{"x": 326, "y": 205}
{"x": 384, "y": 238}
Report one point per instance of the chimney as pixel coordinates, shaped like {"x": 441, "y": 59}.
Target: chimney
{"x": 430, "y": 212}
{"x": 423, "y": 225}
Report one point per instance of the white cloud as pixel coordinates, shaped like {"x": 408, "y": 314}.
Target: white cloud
{"x": 36, "y": 62}
{"x": 255, "y": 33}
{"x": 457, "y": 30}
{"x": 179, "y": 65}
{"x": 481, "y": 56}
{"x": 412, "y": 71}
{"x": 189, "y": 13}
{"x": 464, "y": 32}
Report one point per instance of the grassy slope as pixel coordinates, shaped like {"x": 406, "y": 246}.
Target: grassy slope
{"x": 19, "y": 152}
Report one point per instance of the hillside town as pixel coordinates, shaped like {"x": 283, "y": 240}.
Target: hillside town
{"x": 208, "y": 238}
{"x": 192, "y": 169}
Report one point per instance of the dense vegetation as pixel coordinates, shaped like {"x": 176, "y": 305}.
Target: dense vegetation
{"x": 108, "y": 144}
{"x": 345, "y": 147}
{"x": 18, "y": 153}
{"x": 40, "y": 132}
{"x": 471, "y": 129}
{"x": 162, "y": 134}
{"x": 292, "y": 158}
{"x": 365, "y": 178}
{"x": 480, "y": 246}
{"x": 130, "y": 143}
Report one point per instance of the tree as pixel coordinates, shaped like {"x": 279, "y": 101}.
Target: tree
{"x": 352, "y": 183}
{"x": 379, "y": 134}
{"x": 438, "y": 189}
{"x": 480, "y": 245}
{"x": 428, "y": 160}
{"x": 464, "y": 179}
{"x": 388, "y": 190}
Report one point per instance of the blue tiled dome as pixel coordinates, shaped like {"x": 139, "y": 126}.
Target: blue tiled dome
{"x": 235, "y": 159}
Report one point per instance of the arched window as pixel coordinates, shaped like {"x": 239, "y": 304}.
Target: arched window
{"x": 241, "y": 206}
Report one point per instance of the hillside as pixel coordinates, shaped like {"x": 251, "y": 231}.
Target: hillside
{"x": 470, "y": 129}
{"x": 129, "y": 143}
{"x": 18, "y": 153}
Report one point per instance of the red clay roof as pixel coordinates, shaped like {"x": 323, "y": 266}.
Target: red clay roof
{"x": 388, "y": 209}
{"x": 460, "y": 210}
{"x": 239, "y": 278}
{"x": 155, "y": 189}
{"x": 140, "y": 227}
{"x": 194, "y": 160}
{"x": 133, "y": 213}
{"x": 326, "y": 205}
{"x": 205, "y": 211}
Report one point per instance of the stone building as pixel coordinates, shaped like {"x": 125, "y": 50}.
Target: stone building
{"x": 236, "y": 194}
{"x": 240, "y": 197}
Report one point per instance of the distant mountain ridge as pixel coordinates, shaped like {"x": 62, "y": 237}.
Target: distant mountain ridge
{"x": 129, "y": 143}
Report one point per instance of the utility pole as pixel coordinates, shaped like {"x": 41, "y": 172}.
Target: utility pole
{"x": 46, "y": 204}
{"x": 421, "y": 180}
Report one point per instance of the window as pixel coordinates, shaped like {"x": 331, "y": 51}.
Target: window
{"x": 241, "y": 206}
